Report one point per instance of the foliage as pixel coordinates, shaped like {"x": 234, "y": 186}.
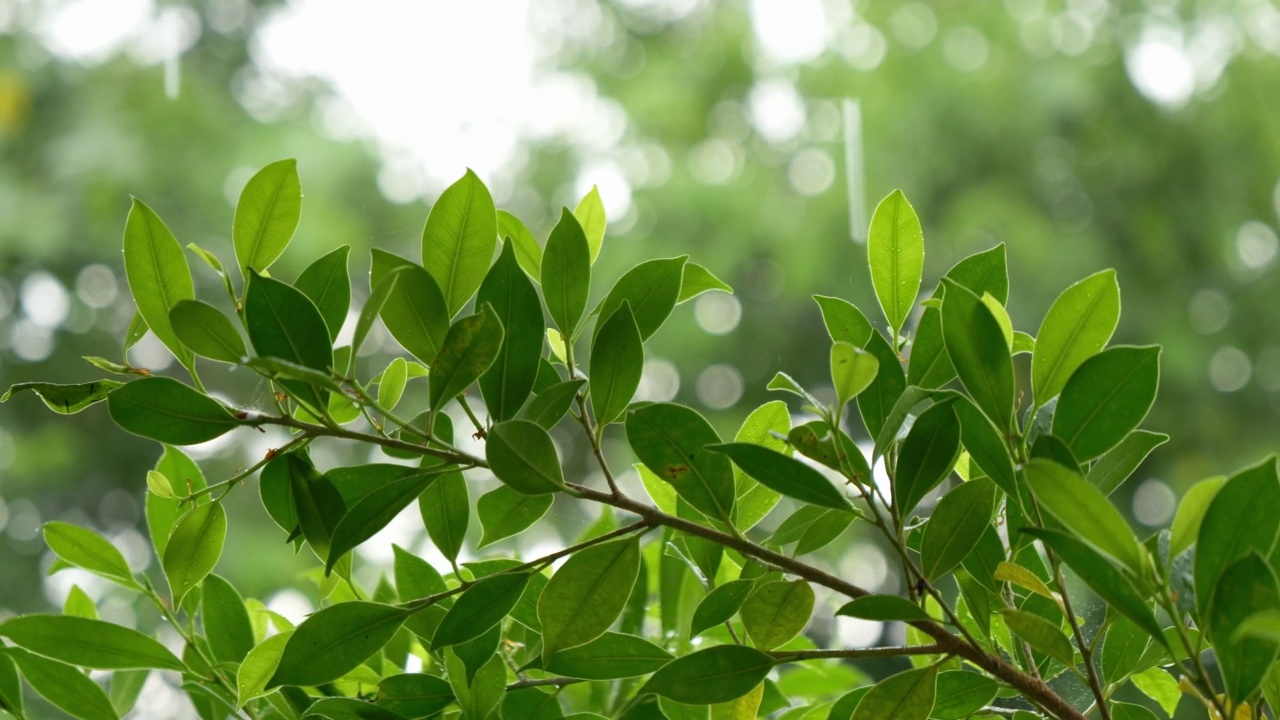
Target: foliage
{"x": 1021, "y": 471}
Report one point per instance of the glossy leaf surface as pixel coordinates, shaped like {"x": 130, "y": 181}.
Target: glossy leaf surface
{"x": 327, "y": 284}
{"x": 784, "y": 474}
{"x": 714, "y": 675}
{"x": 1084, "y": 510}
{"x": 895, "y": 249}
{"x": 1077, "y": 326}
{"x": 587, "y": 594}
{"x": 335, "y": 640}
{"x": 266, "y": 216}
{"x": 509, "y": 381}
{"x": 88, "y": 643}
{"x": 522, "y": 455}
{"x": 458, "y": 240}
{"x": 1105, "y": 398}
{"x": 566, "y": 273}
{"x": 469, "y": 349}
{"x": 194, "y": 548}
{"x": 609, "y": 657}
{"x": 157, "y": 273}
{"x": 617, "y": 361}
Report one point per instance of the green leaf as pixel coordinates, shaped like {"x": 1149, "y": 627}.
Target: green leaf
{"x": 617, "y": 360}
{"x": 1102, "y": 577}
{"x": 334, "y": 641}
{"x": 1240, "y": 519}
{"x": 479, "y": 697}
{"x": 1024, "y": 578}
{"x": 566, "y": 273}
{"x": 327, "y": 284}
{"x": 66, "y": 399}
{"x": 469, "y": 350}
{"x": 697, "y": 280}
{"x": 875, "y": 403}
{"x": 587, "y": 594}
{"x": 163, "y": 514}
{"x": 651, "y": 288}
{"x": 158, "y": 276}
{"x": 458, "y": 240}
{"x": 776, "y": 612}
{"x": 283, "y": 323}
{"x": 852, "y": 370}
{"x": 609, "y": 657}
{"x": 1122, "y": 650}
{"x": 345, "y": 708}
{"x": 391, "y": 386}
{"x": 88, "y": 550}
{"x": 194, "y": 548}
{"x": 373, "y": 512}
{"x": 64, "y": 686}
{"x": 479, "y": 608}
{"x": 895, "y": 250}
{"x": 505, "y": 512}
{"x": 927, "y": 456}
{"x": 1245, "y": 587}
{"x": 961, "y": 694}
{"x": 88, "y": 643}
{"x": 714, "y": 675}
{"x": 984, "y": 272}
{"x": 522, "y": 455}
{"x": 266, "y": 216}
{"x": 414, "y": 694}
{"x": 671, "y": 441}
{"x": 815, "y": 440}
{"x": 975, "y": 343}
{"x": 908, "y": 695}
{"x": 884, "y": 608}
{"x": 1191, "y": 509}
{"x": 507, "y": 384}
{"x": 1084, "y": 510}
{"x": 548, "y": 408}
{"x": 528, "y": 251}
{"x": 414, "y": 312}
{"x": 784, "y": 474}
{"x": 79, "y": 604}
{"x": 929, "y": 365}
{"x": 1160, "y": 686}
{"x": 754, "y": 501}
{"x": 258, "y": 667}
{"x": 1263, "y": 624}
{"x": 446, "y": 509}
{"x": 1118, "y": 463}
{"x": 719, "y": 605}
{"x": 955, "y": 527}
{"x": 1077, "y": 326}
{"x": 1129, "y": 711}
{"x": 206, "y": 331}
{"x": 415, "y": 577}
{"x": 1040, "y": 634}
{"x": 590, "y": 215}
{"x": 226, "y": 621}
{"x": 986, "y": 446}
{"x": 1105, "y": 398}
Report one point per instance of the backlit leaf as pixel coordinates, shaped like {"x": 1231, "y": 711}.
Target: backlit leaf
{"x": 194, "y": 548}
{"x": 852, "y": 370}
{"x": 1084, "y": 510}
{"x": 1040, "y": 634}
{"x": 64, "y": 686}
{"x": 608, "y": 657}
{"x": 66, "y": 399}
{"x": 283, "y": 323}
{"x": 458, "y": 240}
{"x": 961, "y": 694}
{"x": 226, "y": 621}
{"x": 414, "y": 694}
{"x": 617, "y": 361}
{"x": 651, "y": 288}
{"x": 784, "y": 474}
{"x": 373, "y": 512}
{"x": 333, "y": 641}
{"x": 86, "y": 549}
{"x": 975, "y": 343}
{"x": 479, "y": 608}
{"x": 697, "y": 280}
{"x": 719, "y": 605}
{"x": 1105, "y": 398}
{"x": 955, "y": 527}
{"x": 1118, "y": 463}
{"x": 327, "y": 283}
{"x": 776, "y": 612}
{"x": 206, "y": 331}
{"x": 671, "y": 441}
{"x": 505, "y": 512}
{"x": 163, "y": 409}
{"x": 1240, "y": 519}
{"x": 414, "y": 311}
{"x": 88, "y": 643}
{"x": 566, "y": 273}
{"x": 895, "y": 249}
{"x": 713, "y": 675}
{"x": 591, "y": 216}
{"x": 522, "y": 455}
{"x": 266, "y": 216}
{"x": 528, "y": 251}
{"x": 1078, "y": 325}
{"x": 908, "y": 695}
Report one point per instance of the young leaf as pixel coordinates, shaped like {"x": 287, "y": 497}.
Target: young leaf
{"x": 1160, "y": 686}
{"x": 226, "y": 621}
{"x": 714, "y": 675}
{"x": 550, "y": 405}
{"x": 1078, "y": 325}
{"x": 784, "y": 474}
{"x": 283, "y": 323}
{"x": 88, "y": 550}
{"x": 505, "y": 512}
{"x": 1041, "y": 635}
{"x": 414, "y": 694}
{"x": 414, "y": 311}
{"x": 522, "y": 456}
{"x": 1084, "y": 510}
{"x": 88, "y": 643}
{"x": 1105, "y": 398}
{"x": 1245, "y": 587}
{"x": 697, "y": 280}
{"x": 373, "y": 512}
{"x": 206, "y": 331}
{"x": 961, "y": 694}
{"x": 446, "y": 510}
{"x": 566, "y": 273}
{"x": 651, "y": 288}
{"x": 334, "y": 641}
{"x": 754, "y": 500}
{"x": 976, "y": 346}
{"x": 66, "y": 399}
{"x": 1118, "y": 463}
{"x": 587, "y": 594}
{"x": 617, "y": 360}
{"x": 1024, "y": 578}
{"x": 895, "y": 250}
{"x": 908, "y": 695}
{"x": 852, "y": 370}
{"x": 671, "y": 441}
{"x": 590, "y": 215}
{"x": 64, "y": 686}
{"x": 266, "y": 216}
{"x": 162, "y": 513}
{"x": 458, "y": 240}
{"x": 468, "y": 351}
{"x": 258, "y": 667}
{"x": 927, "y": 456}
{"x": 1240, "y": 519}
{"x": 158, "y": 275}
{"x": 391, "y": 386}
{"x": 719, "y": 605}
{"x": 480, "y": 696}
{"x": 884, "y": 608}
{"x": 194, "y": 548}
{"x": 328, "y": 285}
{"x": 482, "y": 606}
{"x": 776, "y": 612}
{"x": 528, "y": 251}
{"x": 955, "y": 527}
{"x": 507, "y": 384}
{"x": 1191, "y": 509}
{"x": 609, "y": 657}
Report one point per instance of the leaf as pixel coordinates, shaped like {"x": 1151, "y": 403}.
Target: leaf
{"x": 590, "y": 214}
{"x": 345, "y": 708}
{"x": 927, "y": 455}
{"x": 566, "y": 273}
{"x": 88, "y": 643}
{"x": 852, "y": 370}
{"x": 955, "y": 527}
{"x": 895, "y": 250}
{"x": 522, "y": 455}
{"x": 617, "y": 361}
{"x": 908, "y": 695}
{"x": 479, "y": 697}
{"x": 753, "y": 501}
{"x": 1129, "y": 711}
{"x": 1024, "y": 578}
{"x": 1106, "y": 397}
{"x": 373, "y": 306}
{"x": 206, "y": 331}
{"x": 391, "y": 386}
{"x": 697, "y": 280}
{"x": 266, "y": 216}
{"x": 504, "y": 512}
{"x": 651, "y": 288}
{"x": 784, "y": 474}
{"x": 414, "y": 312}
{"x": 414, "y": 694}
{"x": 446, "y": 510}
{"x": 226, "y": 622}
{"x": 884, "y": 608}
{"x": 875, "y": 403}
{"x": 815, "y": 441}
{"x": 714, "y": 675}
{"x": 327, "y": 284}
{"x": 283, "y": 323}
{"x": 984, "y": 272}
{"x": 469, "y": 350}
{"x": 1077, "y": 326}
{"x": 609, "y": 657}
{"x": 479, "y": 608}
{"x": 929, "y": 366}
{"x": 671, "y": 441}
{"x": 986, "y": 446}
{"x": 587, "y": 594}
{"x": 458, "y": 240}
{"x": 1191, "y": 509}
{"x": 334, "y": 641}
{"x": 776, "y": 612}
{"x": 1118, "y": 463}
{"x": 1245, "y": 587}
{"x": 165, "y": 410}
{"x": 975, "y": 343}
{"x": 373, "y": 512}
{"x": 961, "y": 694}
{"x": 1040, "y": 634}
{"x": 258, "y": 667}
{"x": 194, "y": 548}
{"x": 88, "y": 550}
{"x": 415, "y": 577}
{"x": 508, "y": 382}
{"x": 1084, "y": 510}
{"x": 719, "y": 605}
{"x": 1122, "y": 650}
{"x": 66, "y": 399}
{"x": 1159, "y": 686}
{"x": 528, "y": 251}
{"x": 158, "y": 276}
{"x": 64, "y": 686}
{"x": 548, "y": 408}
{"x": 163, "y": 514}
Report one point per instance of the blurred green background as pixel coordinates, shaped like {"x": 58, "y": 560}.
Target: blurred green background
{"x": 1083, "y": 134}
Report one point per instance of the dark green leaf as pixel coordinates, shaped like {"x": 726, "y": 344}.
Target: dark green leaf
{"x": 955, "y": 527}
{"x": 66, "y": 399}
{"x": 88, "y": 643}
{"x": 226, "y": 622}
{"x": 984, "y": 272}
{"x": 469, "y": 350}
{"x": 328, "y": 285}
{"x": 929, "y": 367}
{"x": 66, "y": 687}
{"x": 414, "y": 694}
{"x": 927, "y": 456}
{"x": 566, "y": 273}
{"x": 1244, "y": 588}
{"x": 550, "y": 405}
{"x": 378, "y": 296}
{"x": 975, "y": 343}
{"x": 590, "y": 214}
{"x": 719, "y": 605}
{"x": 714, "y": 675}
{"x": 480, "y": 696}
{"x": 698, "y": 280}
{"x": 884, "y": 608}
{"x": 671, "y": 441}
{"x": 522, "y": 455}
{"x": 875, "y": 403}
{"x": 194, "y": 548}
{"x": 446, "y": 510}
{"x": 651, "y": 288}
{"x": 318, "y": 504}
{"x": 163, "y": 409}
{"x": 908, "y": 695}
{"x": 334, "y": 641}
{"x": 374, "y": 511}
{"x": 609, "y": 657}
{"x": 344, "y": 708}
{"x": 961, "y": 694}
{"x": 895, "y": 250}
{"x": 587, "y": 594}
{"x": 266, "y": 216}
{"x": 1105, "y": 398}
{"x": 479, "y": 608}
{"x": 617, "y": 360}
{"x": 136, "y": 331}
{"x": 458, "y": 240}
{"x": 507, "y": 384}
{"x": 1078, "y": 325}
{"x": 505, "y": 512}
{"x": 528, "y": 251}
{"x": 86, "y": 549}
{"x": 206, "y": 331}
{"x": 415, "y": 577}
{"x": 1240, "y": 519}
{"x": 10, "y": 687}
{"x": 814, "y": 440}
{"x": 844, "y": 321}
{"x": 776, "y": 612}
{"x": 158, "y": 276}
{"x": 1114, "y": 467}
{"x": 1041, "y": 635}
{"x": 283, "y": 323}
{"x": 986, "y": 446}
{"x": 784, "y": 474}
{"x": 414, "y": 311}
